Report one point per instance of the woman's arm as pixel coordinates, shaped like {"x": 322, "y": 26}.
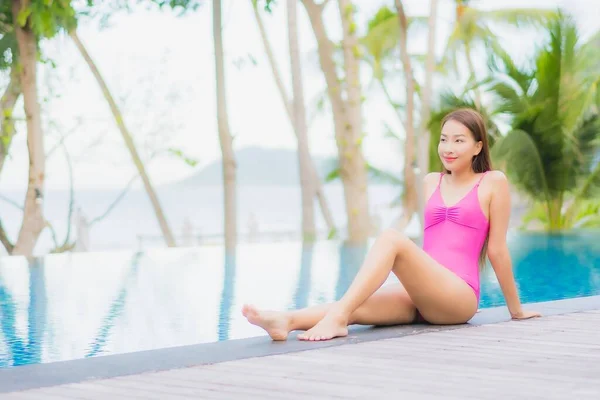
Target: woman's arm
{"x": 497, "y": 247}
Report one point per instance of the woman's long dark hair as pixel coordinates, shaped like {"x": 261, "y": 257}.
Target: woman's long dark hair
{"x": 482, "y": 162}
{"x": 475, "y": 123}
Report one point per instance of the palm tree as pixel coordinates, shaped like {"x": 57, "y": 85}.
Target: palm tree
{"x": 550, "y": 151}
{"x": 299, "y": 117}
{"x": 314, "y": 183}
{"x": 386, "y": 40}
{"x": 131, "y": 147}
{"x": 472, "y": 28}
{"x": 26, "y": 32}
{"x": 11, "y": 95}
{"x": 9, "y": 99}
{"x": 423, "y": 143}
{"x": 345, "y": 97}
{"x": 225, "y": 138}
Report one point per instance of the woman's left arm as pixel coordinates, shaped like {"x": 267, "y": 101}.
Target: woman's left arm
{"x": 498, "y": 249}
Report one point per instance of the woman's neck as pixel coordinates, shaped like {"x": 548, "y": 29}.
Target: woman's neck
{"x": 461, "y": 177}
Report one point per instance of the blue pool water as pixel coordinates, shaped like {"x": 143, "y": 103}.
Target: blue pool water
{"x": 74, "y": 306}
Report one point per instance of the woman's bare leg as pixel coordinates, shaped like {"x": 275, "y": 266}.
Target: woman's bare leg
{"x": 440, "y": 295}
{"x": 390, "y": 305}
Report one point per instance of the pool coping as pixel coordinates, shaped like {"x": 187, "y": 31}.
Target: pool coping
{"x": 111, "y": 366}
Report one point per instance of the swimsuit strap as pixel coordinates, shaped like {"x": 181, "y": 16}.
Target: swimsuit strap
{"x": 480, "y": 179}
{"x": 440, "y": 181}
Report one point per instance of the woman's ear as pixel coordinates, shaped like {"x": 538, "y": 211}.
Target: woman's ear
{"x": 479, "y": 146}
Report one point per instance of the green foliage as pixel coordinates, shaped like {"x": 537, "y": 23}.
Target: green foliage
{"x": 381, "y": 40}
{"x": 472, "y": 28}
{"x": 179, "y": 154}
{"x": 587, "y": 215}
{"x": 267, "y": 6}
{"x": 46, "y": 18}
{"x": 555, "y": 131}
{"x": 187, "y": 5}
{"x": 8, "y": 50}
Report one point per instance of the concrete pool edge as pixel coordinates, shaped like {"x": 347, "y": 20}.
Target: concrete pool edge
{"x": 64, "y": 372}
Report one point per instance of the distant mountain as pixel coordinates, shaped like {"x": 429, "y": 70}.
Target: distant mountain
{"x": 260, "y": 167}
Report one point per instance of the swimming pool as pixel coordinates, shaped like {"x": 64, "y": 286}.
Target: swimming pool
{"x": 73, "y": 306}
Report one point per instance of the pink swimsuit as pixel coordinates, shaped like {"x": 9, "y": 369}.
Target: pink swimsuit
{"x": 454, "y": 236}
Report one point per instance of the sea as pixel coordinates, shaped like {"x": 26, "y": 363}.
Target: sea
{"x": 195, "y": 215}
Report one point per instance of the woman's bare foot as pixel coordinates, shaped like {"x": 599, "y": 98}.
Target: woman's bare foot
{"x": 329, "y": 327}
{"x": 275, "y": 323}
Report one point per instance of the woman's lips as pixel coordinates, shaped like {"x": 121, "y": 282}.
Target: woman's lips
{"x": 449, "y": 159}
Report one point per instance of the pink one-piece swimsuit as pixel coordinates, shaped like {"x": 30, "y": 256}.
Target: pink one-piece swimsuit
{"x": 454, "y": 236}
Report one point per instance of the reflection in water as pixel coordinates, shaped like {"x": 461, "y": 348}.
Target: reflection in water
{"x": 227, "y": 296}
{"x": 115, "y": 310}
{"x": 20, "y": 352}
{"x": 70, "y": 307}
{"x": 37, "y": 310}
{"x": 302, "y": 292}
{"x": 351, "y": 259}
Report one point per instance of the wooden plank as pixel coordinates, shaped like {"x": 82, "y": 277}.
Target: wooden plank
{"x": 214, "y": 390}
{"x": 552, "y": 357}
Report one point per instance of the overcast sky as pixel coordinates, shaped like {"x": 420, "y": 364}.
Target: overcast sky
{"x": 161, "y": 69}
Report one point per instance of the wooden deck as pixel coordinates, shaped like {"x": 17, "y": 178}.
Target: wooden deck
{"x": 556, "y": 357}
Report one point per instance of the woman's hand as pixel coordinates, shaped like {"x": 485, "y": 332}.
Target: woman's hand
{"x": 525, "y": 315}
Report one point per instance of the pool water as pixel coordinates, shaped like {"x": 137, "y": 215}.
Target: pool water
{"x": 72, "y": 306}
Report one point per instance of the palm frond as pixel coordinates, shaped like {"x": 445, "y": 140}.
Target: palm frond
{"x": 381, "y": 176}
{"x": 523, "y": 162}
{"x": 519, "y": 17}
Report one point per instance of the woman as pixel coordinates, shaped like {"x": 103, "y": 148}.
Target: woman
{"x": 466, "y": 216}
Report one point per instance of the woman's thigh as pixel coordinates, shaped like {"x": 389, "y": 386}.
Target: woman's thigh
{"x": 389, "y": 305}
{"x": 441, "y": 296}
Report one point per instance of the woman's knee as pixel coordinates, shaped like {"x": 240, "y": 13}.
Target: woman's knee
{"x": 395, "y": 238}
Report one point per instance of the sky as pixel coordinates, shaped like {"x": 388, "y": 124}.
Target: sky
{"x": 160, "y": 68}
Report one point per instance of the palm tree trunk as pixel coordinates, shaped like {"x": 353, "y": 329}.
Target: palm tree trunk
{"x": 33, "y": 217}
{"x": 273, "y": 63}
{"x": 555, "y": 213}
{"x": 410, "y": 184}
{"x": 347, "y": 116}
{"x": 425, "y": 135}
{"x": 7, "y": 131}
{"x": 160, "y": 216}
{"x": 7, "y": 105}
{"x": 471, "y": 66}
{"x": 314, "y": 177}
{"x": 299, "y": 113}
{"x": 229, "y": 165}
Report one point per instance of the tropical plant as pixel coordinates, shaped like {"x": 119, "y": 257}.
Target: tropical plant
{"x": 551, "y": 152}
{"x": 384, "y": 42}
{"x": 128, "y": 139}
{"x": 345, "y": 96}
{"x": 311, "y": 184}
{"x": 472, "y": 28}
{"x": 32, "y": 20}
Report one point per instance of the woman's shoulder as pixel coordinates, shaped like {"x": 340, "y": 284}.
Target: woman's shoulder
{"x": 496, "y": 183}
{"x": 495, "y": 176}
{"x": 432, "y": 177}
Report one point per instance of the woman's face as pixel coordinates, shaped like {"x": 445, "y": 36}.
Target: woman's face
{"x": 457, "y": 146}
